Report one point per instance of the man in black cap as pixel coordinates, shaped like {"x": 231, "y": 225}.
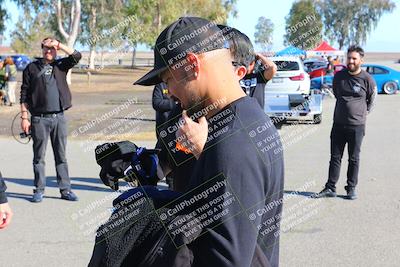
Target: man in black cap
{"x": 243, "y": 57}
{"x": 231, "y": 134}
{"x": 355, "y": 92}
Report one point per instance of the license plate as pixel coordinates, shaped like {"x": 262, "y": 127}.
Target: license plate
{"x": 277, "y": 80}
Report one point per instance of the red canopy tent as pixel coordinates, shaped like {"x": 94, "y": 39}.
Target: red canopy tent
{"x": 324, "y": 46}
{"x": 324, "y": 49}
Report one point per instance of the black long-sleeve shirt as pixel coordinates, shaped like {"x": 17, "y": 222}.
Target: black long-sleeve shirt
{"x": 355, "y": 97}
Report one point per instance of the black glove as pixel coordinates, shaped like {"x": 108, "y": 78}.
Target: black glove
{"x": 124, "y": 160}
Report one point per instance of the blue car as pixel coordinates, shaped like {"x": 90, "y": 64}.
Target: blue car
{"x": 21, "y": 61}
{"x": 322, "y": 81}
{"x": 387, "y": 79}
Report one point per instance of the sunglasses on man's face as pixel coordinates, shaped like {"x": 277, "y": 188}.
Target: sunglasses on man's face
{"x": 47, "y": 48}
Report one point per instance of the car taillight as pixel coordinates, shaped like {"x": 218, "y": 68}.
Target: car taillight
{"x": 297, "y": 78}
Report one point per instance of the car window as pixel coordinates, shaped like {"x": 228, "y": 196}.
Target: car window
{"x": 287, "y": 65}
{"x": 368, "y": 69}
{"x": 308, "y": 65}
{"x": 315, "y": 65}
{"x": 378, "y": 70}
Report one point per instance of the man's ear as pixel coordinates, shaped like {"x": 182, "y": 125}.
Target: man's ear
{"x": 193, "y": 65}
{"x": 241, "y": 72}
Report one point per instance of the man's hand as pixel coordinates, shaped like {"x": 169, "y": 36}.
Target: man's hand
{"x": 58, "y": 46}
{"x": 193, "y": 135}
{"x": 25, "y": 125}
{"x": 270, "y": 66}
{"x": 51, "y": 43}
{"x": 5, "y": 215}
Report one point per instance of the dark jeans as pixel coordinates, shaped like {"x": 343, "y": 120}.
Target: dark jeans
{"x": 55, "y": 127}
{"x": 340, "y": 135}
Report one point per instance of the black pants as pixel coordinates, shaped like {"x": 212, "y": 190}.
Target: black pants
{"x": 340, "y": 135}
{"x": 55, "y": 127}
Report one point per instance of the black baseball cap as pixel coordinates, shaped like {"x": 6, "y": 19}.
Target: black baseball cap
{"x": 187, "y": 34}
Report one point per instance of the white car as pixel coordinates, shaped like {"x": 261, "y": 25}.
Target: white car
{"x": 291, "y": 77}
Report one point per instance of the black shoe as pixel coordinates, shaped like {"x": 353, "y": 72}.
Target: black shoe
{"x": 326, "y": 192}
{"x": 351, "y": 193}
{"x": 37, "y": 197}
{"x": 69, "y": 195}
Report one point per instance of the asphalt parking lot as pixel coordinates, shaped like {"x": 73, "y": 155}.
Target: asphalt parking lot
{"x": 327, "y": 232}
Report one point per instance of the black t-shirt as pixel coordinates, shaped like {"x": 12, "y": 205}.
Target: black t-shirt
{"x": 236, "y": 189}
{"x": 254, "y": 85}
{"x": 355, "y": 96}
{"x": 52, "y": 93}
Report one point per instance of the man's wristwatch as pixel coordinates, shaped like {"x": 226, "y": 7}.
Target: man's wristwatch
{"x": 23, "y": 118}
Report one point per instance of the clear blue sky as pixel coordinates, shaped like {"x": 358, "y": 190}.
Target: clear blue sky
{"x": 385, "y": 38}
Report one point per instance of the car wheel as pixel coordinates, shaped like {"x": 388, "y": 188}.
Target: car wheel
{"x": 390, "y": 88}
{"x": 317, "y": 118}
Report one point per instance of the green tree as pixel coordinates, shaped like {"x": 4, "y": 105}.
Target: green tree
{"x": 154, "y": 15}
{"x": 3, "y": 17}
{"x": 98, "y": 18}
{"x": 303, "y": 25}
{"x": 62, "y": 16}
{"x": 263, "y": 33}
{"x": 29, "y": 31}
{"x": 350, "y": 21}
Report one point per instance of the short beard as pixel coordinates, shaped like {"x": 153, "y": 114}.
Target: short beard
{"x": 46, "y": 58}
{"x": 196, "y": 105}
{"x": 355, "y": 69}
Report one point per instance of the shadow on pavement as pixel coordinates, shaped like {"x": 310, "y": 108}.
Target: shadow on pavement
{"x": 304, "y": 194}
{"x": 52, "y": 182}
{"x": 27, "y": 197}
{"x": 310, "y": 194}
{"x": 342, "y": 196}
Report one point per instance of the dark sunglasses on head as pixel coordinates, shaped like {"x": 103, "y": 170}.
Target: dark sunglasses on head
{"x": 237, "y": 64}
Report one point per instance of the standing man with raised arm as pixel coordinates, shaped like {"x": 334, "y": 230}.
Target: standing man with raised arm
{"x": 45, "y": 95}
